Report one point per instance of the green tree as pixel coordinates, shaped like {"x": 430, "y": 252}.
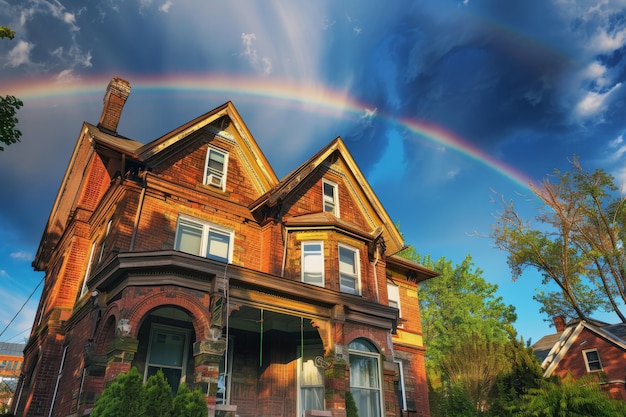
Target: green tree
{"x": 189, "y": 403}
{"x": 9, "y": 105}
{"x": 157, "y": 396}
{"x": 122, "y": 397}
{"x": 466, "y": 327}
{"x": 522, "y": 374}
{"x": 128, "y": 396}
{"x": 569, "y": 398}
{"x": 577, "y": 243}
{"x": 457, "y": 306}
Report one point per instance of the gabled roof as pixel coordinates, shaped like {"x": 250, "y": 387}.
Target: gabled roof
{"x": 568, "y": 337}
{"x": 335, "y": 149}
{"x": 221, "y": 121}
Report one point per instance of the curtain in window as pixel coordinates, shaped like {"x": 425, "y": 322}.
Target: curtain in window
{"x": 312, "y": 386}
{"x": 365, "y": 378}
{"x": 217, "y": 247}
{"x": 313, "y": 263}
{"x": 189, "y": 237}
{"x": 347, "y": 270}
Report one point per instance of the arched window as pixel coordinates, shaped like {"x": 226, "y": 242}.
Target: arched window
{"x": 365, "y": 381}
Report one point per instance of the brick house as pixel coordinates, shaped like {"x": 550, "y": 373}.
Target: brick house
{"x": 586, "y": 348}
{"x": 187, "y": 254}
{"x": 11, "y": 360}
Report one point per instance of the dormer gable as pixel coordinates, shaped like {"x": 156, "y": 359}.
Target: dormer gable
{"x": 333, "y": 176}
{"x": 218, "y": 138}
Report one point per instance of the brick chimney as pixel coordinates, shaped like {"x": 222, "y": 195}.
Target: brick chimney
{"x": 114, "y": 100}
{"x": 559, "y": 323}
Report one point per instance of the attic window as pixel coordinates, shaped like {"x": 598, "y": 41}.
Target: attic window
{"x": 592, "y": 360}
{"x": 330, "y": 196}
{"x": 216, "y": 165}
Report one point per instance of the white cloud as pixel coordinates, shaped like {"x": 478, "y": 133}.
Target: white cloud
{"x": 263, "y": 65}
{"x": 22, "y": 256}
{"x": 451, "y": 174}
{"x": 604, "y": 42}
{"x": 20, "y": 54}
{"x": 4, "y": 274}
{"x": 357, "y": 30}
{"x": 67, "y": 76}
{"x": 594, "y": 103}
{"x": 165, "y": 7}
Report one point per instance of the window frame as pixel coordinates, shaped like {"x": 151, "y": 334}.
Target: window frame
{"x": 357, "y": 267}
{"x": 587, "y": 361}
{"x": 302, "y": 262}
{"x": 212, "y": 172}
{"x": 299, "y": 377}
{"x": 334, "y": 201}
{"x": 401, "y": 386}
{"x": 394, "y": 300}
{"x": 372, "y": 353}
{"x": 206, "y": 229}
{"x": 155, "y": 327}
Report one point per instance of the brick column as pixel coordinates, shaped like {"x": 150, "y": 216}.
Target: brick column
{"x": 336, "y": 382}
{"x": 120, "y": 356}
{"x": 207, "y": 357}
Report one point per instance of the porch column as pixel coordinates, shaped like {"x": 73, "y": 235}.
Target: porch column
{"x": 120, "y": 356}
{"x": 207, "y": 357}
{"x": 336, "y": 377}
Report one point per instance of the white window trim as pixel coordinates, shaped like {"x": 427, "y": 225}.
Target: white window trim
{"x": 357, "y": 261}
{"x": 396, "y": 300}
{"x": 335, "y": 201}
{"x": 401, "y": 382}
{"x": 88, "y": 270}
{"x": 587, "y": 360}
{"x": 302, "y": 271}
{"x": 184, "y": 360}
{"x": 221, "y": 184}
{"x": 206, "y": 228}
{"x": 380, "y": 373}
{"x": 299, "y": 384}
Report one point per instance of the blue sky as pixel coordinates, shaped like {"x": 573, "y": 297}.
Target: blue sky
{"x": 522, "y": 85}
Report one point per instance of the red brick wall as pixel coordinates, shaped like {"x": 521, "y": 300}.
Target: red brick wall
{"x": 613, "y": 360}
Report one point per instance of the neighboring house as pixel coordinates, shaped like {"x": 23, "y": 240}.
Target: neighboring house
{"x": 11, "y": 359}
{"x": 584, "y": 348}
{"x": 188, "y": 255}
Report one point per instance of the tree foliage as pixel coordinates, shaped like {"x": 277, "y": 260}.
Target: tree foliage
{"x": 466, "y": 329}
{"x": 128, "y": 396}
{"x": 459, "y": 305}
{"x": 569, "y": 398}
{"x": 577, "y": 242}
{"x": 9, "y": 105}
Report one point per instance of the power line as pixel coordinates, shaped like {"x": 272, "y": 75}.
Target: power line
{"x": 20, "y": 310}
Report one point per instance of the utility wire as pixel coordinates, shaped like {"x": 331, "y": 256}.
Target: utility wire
{"x": 20, "y": 310}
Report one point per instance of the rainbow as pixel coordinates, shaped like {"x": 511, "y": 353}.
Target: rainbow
{"x": 310, "y": 97}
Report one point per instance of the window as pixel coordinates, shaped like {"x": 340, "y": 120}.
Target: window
{"x": 592, "y": 360}
{"x": 203, "y": 239}
{"x": 329, "y": 193}
{"x": 215, "y": 171}
{"x": 88, "y": 270}
{"x": 365, "y": 379}
{"x": 393, "y": 295}
{"x": 102, "y": 245}
{"x": 313, "y": 263}
{"x": 167, "y": 351}
{"x": 311, "y": 380}
{"x": 348, "y": 269}
{"x": 400, "y": 390}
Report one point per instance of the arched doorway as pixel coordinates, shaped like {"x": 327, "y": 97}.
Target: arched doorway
{"x": 166, "y": 336}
